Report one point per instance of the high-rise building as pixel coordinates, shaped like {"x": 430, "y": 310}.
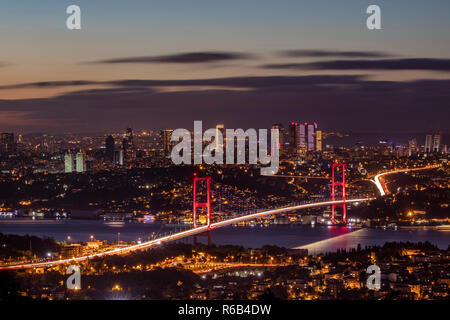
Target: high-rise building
{"x": 7, "y": 144}
{"x": 412, "y": 147}
{"x": 318, "y": 140}
{"x": 303, "y": 137}
{"x": 280, "y": 128}
{"x": 128, "y": 144}
{"x": 220, "y": 128}
{"x": 311, "y": 136}
{"x": 437, "y": 142}
{"x": 109, "y": 145}
{"x": 118, "y": 157}
{"x": 384, "y": 147}
{"x": 80, "y": 162}
{"x": 166, "y": 142}
{"x": 428, "y": 143}
{"x": 294, "y": 138}
{"x": 433, "y": 142}
{"x": 68, "y": 162}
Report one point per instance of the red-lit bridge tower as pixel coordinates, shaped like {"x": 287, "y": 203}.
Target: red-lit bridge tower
{"x": 338, "y": 169}
{"x": 206, "y": 204}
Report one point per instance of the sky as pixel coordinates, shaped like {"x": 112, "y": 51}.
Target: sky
{"x": 164, "y": 64}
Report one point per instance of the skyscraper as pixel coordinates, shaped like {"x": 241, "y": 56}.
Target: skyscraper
{"x": 118, "y": 157}
{"x": 311, "y": 136}
{"x": 80, "y": 162}
{"x": 303, "y": 138}
{"x": 412, "y": 147}
{"x": 109, "y": 144}
{"x": 166, "y": 142}
{"x": 294, "y": 138}
{"x": 318, "y": 140}
{"x": 280, "y": 128}
{"x": 128, "y": 144}
{"x": 437, "y": 142}
{"x": 68, "y": 162}
{"x": 220, "y": 128}
{"x": 433, "y": 142}
{"x": 428, "y": 143}
{"x": 7, "y": 144}
{"x": 384, "y": 147}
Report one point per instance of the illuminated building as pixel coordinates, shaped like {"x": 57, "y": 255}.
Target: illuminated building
{"x": 303, "y": 141}
{"x": 412, "y": 147}
{"x": 280, "y": 128}
{"x": 166, "y": 142}
{"x": 294, "y": 138}
{"x": 433, "y": 142}
{"x": 311, "y": 135}
{"x": 383, "y": 146}
{"x": 118, "y": 157}
{"x": 68, "y": 163}
{"x": 437, "y": 141}
{"x": 221, "y": 128}
{"x": 221, "y": 146}
{"x": 428, "y": 143}
{"x": 128, "y": 145}
{"x": 318, "y": 141}
{"x": 71, "y": 250}
{"x": 7, "y": 144}
{"x": 80, "y": 163}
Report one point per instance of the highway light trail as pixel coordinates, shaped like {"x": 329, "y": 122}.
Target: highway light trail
{"x": 379, "y": 185}
{"x": 289, "y": 176}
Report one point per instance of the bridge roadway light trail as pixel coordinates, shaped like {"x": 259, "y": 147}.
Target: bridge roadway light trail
{"x": 179, "y": 235}
{"x": 378, "y": 184}
{"x": 289, "y": 176}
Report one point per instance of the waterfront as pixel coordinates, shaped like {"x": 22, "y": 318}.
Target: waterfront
{"x": 316, "y": 239}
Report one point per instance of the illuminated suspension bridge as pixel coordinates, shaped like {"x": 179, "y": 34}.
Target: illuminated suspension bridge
{"x": 338, "y": 199}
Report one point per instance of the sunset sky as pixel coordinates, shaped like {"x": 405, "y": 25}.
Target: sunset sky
{"x": 164, "y": 64}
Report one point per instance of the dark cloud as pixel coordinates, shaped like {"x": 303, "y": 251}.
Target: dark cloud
{"x": 232, "y": 82}
{"x": 383, "y": 64}
{"x": 346, "y": 104}
{"x": 246, "y": 82}
{"x": 189, "y": 57}
{"x": 49, "y": 84}
{"x": 331, "y": 53}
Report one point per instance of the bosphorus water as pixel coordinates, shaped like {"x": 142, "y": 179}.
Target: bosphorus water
{"x": 316, "y": 239}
